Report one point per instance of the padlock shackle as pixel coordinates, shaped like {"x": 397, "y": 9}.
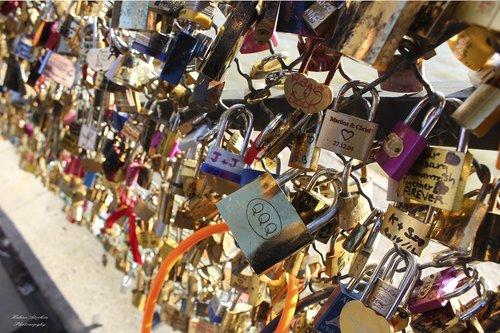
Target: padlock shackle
{"x": 224, "y": 120}
{"x": 432, "y": 115}
{"x": 346, "y": 174}
{"x": 478, "y": 304}
{"x": 317, "y": 175}
{"x": 324, "y": 218}
{"x": 354, "y": 84}
{"x": 410, "y": 277}
{"x": 471, "y": 282}
{"x": 273, "y": 125}
{"x": 372, "y": 237}
{"x": 355, "y": 281}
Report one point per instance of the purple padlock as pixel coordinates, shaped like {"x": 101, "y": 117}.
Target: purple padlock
{"x": 434, "y": 291}
{"x": 403, "y": 146}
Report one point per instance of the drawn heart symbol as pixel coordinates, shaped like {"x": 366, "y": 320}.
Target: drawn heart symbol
{"x": 346, "y": 134}
{"x": 307, "y": 94}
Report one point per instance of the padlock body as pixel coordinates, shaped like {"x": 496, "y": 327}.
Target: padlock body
{"x": 347, "y": 135}
{"x": 405, "y": 146}
{"x": 428, "y": 293}
{"x": 265, "y": 225}
{"x": 326, "y": 320}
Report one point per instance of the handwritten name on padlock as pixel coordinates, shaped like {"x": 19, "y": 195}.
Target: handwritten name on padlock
{"x": 405, "y": 231}
{"x": 307, "y": 94}
{"x": 436, "y": 177}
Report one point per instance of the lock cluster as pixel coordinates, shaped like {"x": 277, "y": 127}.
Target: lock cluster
{"x": 219, "y": 211}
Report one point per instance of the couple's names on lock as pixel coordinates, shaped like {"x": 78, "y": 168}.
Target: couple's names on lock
{"x": 436, "y": 178}
{"x": 352, "y": 125}
{"x": 405, "y": 231}
{"x": 226, "y": 160}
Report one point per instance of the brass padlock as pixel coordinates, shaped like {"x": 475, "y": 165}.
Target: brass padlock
{"x": 304, "y": 153}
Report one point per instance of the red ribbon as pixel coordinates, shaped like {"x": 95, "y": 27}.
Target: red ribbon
{"x": 134, "y": 244}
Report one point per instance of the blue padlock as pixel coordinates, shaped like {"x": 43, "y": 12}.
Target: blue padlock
{"x": 89, "y": 179}
{"x": 290, "y": 18}
{"x": 179, "y": 55}
{"x": 327, "y": 318}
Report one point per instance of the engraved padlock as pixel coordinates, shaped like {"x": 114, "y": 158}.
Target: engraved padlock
{"x": 403, "y": 145}
{"x": 345, "y": 134}
{"x": 439, "y": 176}
{"x": 337, "y": 257}
{"x": 221, "y": 163}
{"x": 380, "y": 299}
{"x": 322, "y": 16}
{"x": 291, "y": 18}
{"x": 272, "y": 230}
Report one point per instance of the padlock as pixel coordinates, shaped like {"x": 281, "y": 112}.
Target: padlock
{"x": 291, "y": 18}
{"x": 353, "y": 207}
{"x": 380, "y": 300}
{"x": 222, "y": 166}
{"x": 360, "y": 258}
{"x": 132, "y": 15}
{"x": 266, "y": 22}
{"x": 304, "y": 153}
{"x": 305, "y": 93}
{"x": 356, "y": 135}
{"x": 271, "y": 222}
{"x": 434, "y": 291}
{"x": 268, "y": 64}
{"x": 308, "y": 203}
{"x": 206, "y": 94}
{"x": 471, "y": 47}
{"x": 220, "y": 303}
{"x": 229, "y": 40}
{"x": 287, "y": 132}
{"x": 132, "y": 72}
{"x": 403, "y": 146}
{"x": 458, "y": 229}
{"x": 486, "y": 246}
{"x": 180, "y": 53}
{"x": 405, "y": 230}
{"x": 361, "y": 229}
{"x": 374, "y": 31}
{"x": 327, "y": 318}
{"x": 439, "y": 176}
{"x": 403, "y": 80}
{"x": 481, "y": 110}
{"x": 337, "y": 257}
{"x": 322, "y": 16}
{"x": 250, "y": 46}
{"x": 453, "y": 317}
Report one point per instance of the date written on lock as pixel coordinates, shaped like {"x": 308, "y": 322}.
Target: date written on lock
{"x": 405, "y": 230}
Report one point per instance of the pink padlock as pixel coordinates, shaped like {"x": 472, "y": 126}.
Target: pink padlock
{"x": 432, "y": 292}
{"x": 403, "y": 146}
{"x": 250, "y": 46}
{"x": 132, "y": 174}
